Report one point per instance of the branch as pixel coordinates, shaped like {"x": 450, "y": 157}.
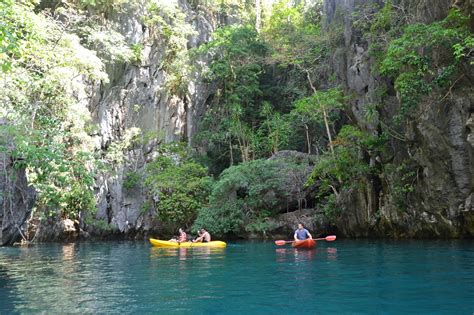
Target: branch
{"x": 451, "y": 88}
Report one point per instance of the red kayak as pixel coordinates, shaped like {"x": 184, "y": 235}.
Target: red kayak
{"x": 307, "y": 244}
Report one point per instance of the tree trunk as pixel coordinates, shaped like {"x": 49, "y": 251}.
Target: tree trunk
{"x": 325, "y": 114}
{"x": 307, "y": 138}
{"x": 231, "y": 153}
{"x": 258, "y": 11}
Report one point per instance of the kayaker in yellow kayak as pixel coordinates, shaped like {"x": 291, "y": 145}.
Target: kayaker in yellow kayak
{"x": 204, "y": 236}
{"x": 181, "y": 238}
{"x": 301, "y": 233}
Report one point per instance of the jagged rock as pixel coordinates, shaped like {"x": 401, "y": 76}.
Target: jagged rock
{"x": 63, "y": 230}
{"x": 470, "y": 126}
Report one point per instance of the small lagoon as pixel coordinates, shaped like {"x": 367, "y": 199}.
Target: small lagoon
{"x": 345, "y": 276}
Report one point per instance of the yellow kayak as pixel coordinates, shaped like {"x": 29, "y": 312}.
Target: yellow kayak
{"x": 160, "y": 243}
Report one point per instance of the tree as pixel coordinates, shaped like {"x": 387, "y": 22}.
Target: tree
{"x": 237, "y": 53}
{"x": 247, "y": 195}
{"x": 43, "y": 69}
{"x": 320, "y": 108}
{"x": 274, "y": 130}
{"x": 177, "y": 185}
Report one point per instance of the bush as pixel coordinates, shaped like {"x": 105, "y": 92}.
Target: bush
{"x": 346, "y": 167}
{"x": 177, "y": 185}
{"x": 246, "y": 195}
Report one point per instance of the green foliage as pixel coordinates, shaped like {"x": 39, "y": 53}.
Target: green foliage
{"x": 330, "y": 206}
{"x": 178, "y": 186}
{"x": 380, "y": 24}
{"x": 102, "y": 225}
{"x": 425, "y": 57}
{"x": 104, "y": 6}
{"x": 402, "y": 178}
{"x": 137, "y": 52}
{"x": 132, "y": 180}
{"x": 299, "y": 47}
{"x": 114, "y": 156}
{"x": 262, "y": 224}
{"x": 465, "y": 49}
{"x": 248, "y": 119}
{"x": 41, "y": 67}
{"x": 11, "y": 37}
{"x": 274, "y": 131}
{"x": 246, "y": 196}
{"x": 346, "y": 167}
{"x": 308, "y": 112}
{"x": 110, "y": 45}
{"x": 294, "y": 34}
{"x": 237, "y": 53}
{"x": 167, "y": 20}
{"x": 62, "y": 179}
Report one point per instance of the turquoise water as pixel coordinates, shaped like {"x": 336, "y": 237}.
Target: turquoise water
{"x": 369, "y": 277}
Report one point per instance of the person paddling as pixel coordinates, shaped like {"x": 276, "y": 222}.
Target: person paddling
{"x": 204, "y": 236}
{"x": 181, "y": 238}
{"x": 301, "y": 233}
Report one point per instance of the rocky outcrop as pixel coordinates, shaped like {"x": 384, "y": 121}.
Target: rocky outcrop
{"x": 63, "y": 230}
{"x": 436, "y": 152}
{"x": 16, "y": 197}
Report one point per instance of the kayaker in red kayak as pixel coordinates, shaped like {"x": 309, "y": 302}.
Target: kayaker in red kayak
{"x": 181, "y": 238}
{"x": 301, "y": 233}
{"x": 204, "y": 236}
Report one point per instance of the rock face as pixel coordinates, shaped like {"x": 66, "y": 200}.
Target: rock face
{"x": 16, "y": 198}
{"x": 438, "y": 144}
{"x": 64, "y": 230}
{"x": 138, "y": 96}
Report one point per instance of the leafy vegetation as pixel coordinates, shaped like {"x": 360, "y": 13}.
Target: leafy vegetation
{"x": 247, "y": 195}
{"x": 421, "y": 58}
{"x": 228, "y": 128}
{"x": 41, "y": 67}
{"x": 177, "y": 185}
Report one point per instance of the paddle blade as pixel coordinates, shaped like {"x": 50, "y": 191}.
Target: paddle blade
{"x": 280, "y": 242}
{"x": 330, "y": 238}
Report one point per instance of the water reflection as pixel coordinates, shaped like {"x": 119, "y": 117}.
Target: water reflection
{"x": 295, "y": 254}
{"x": 184, "y": 253}
{"x": 332, "y": 253}
{"x": 7, "y": 292}
{"x": 68, "y": 251}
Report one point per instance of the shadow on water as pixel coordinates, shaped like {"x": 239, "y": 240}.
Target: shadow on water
{"x": 7, "y": 292}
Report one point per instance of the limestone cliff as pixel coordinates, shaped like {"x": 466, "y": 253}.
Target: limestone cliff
{"x": 436, "y": 144}
{"x": 139, "y": 96}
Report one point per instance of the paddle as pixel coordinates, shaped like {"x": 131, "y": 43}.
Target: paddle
{"x": 329, "y": 238}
